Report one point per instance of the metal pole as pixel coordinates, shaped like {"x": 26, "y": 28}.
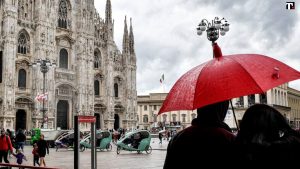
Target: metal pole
{"x": 236, "y": 123}
{"x": 93, "y": 147}
{"x": 76, "y": 144}
{"x": 44, "y": 113}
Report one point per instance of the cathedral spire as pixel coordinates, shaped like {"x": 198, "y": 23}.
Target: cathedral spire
{"x": 131, "y": 39}
{"x": 108, "y": 18}
{"x": 125, "y": 38}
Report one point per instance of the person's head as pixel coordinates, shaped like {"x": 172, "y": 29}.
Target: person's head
{"x": 2, "y": 132}
{"x": 35, "y": 145}
{"x": 214, "y": 112}
{"x": 42, "y": 137}
{"x": 262, "y": 124}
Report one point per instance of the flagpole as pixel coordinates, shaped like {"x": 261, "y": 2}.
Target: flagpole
{"x": 162, "y": 79}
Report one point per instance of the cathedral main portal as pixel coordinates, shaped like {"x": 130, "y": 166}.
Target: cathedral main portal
{"x": 20, "y": 119}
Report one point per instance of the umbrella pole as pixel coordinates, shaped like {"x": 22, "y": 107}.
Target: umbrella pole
{"x": 237, "y": 126}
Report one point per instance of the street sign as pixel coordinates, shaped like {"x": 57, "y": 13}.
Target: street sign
{"x": 86, "y": 119}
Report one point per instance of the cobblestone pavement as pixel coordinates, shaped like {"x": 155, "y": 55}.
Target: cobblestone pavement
{"x": 105, "y": 160}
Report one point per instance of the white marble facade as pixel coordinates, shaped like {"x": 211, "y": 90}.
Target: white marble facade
{"x": 92, "y": 76}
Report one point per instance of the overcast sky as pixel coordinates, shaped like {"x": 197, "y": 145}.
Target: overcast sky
{"x": 166, "y": 41}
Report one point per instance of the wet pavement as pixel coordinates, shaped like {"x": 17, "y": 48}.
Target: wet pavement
{"x": 105, "y": 159}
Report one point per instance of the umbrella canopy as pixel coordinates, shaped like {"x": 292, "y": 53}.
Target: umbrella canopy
{"x": 226, "y": 77}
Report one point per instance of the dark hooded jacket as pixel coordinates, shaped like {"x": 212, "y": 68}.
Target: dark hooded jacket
{"x": 207, "y": 142}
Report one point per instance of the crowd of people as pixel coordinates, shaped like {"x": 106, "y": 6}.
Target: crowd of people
{"x": 9, "y": 143}
{"x": 265, "y": 139}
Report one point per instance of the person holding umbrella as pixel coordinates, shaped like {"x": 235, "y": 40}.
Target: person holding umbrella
{"x": 207, "y": 141}
{"x": 205, "y": 87}
{"x": 266, "y": 139}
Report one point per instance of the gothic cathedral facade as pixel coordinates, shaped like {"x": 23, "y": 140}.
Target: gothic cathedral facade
{"x": 86, "y": 73}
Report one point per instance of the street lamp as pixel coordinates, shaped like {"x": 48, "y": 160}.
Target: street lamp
{"x": 213, "y": 28}
{"x": 44, "y": 64}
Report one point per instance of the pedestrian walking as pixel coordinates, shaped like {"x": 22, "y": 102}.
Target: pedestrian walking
{"x": 160, "y": 136}
{"x": 20, "y": 140}
{"x": 266, "y": 140}
{"x": 12, "y": 140}
{"x": 42, "y": 150}
{"x": 36, "y": 156}
{"x": 5, "y": 146}
{"x": 207, "y": 142}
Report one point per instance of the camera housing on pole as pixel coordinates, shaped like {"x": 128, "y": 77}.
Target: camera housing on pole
{"x": 213, "y": 29}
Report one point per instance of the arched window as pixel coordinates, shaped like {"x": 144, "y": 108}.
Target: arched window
{"x": 145, "y": 118}
{"x": 63, "y": 14}
{"x": 23, "y": 43}
{"x": 97, "y": 61}
{"x": 174, "y": 117}
{"x": 183, "y": 118}
{"x": 155, "y": 117}
{"x": 63, "y": 59}
{"x": 22, "y": 78}
{"x": 96, "y": 87}
{"x": 164, "y": 117}
{"x": 240, "y": 102}
{"x": 251, "y": 99}
{"x": 263, "y": 98}
{"x": 116, "y": 90}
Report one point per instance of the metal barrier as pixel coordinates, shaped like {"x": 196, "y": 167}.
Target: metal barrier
{"x": 10, "y": 166}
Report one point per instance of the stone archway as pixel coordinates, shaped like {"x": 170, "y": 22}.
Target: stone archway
{"x": 24, "y": 107}
{"x": 66, "y": 96}
{"x": 99, "y": 110}
{"x": 117, "y": 122}
{"x": 20, "y": 119}
{"x": 98, "y": 121}
{"x": 62, "y": 114}
{"x": 119, "y": 113}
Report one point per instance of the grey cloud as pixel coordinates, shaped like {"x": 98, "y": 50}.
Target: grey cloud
{"x": 166, "y": 40}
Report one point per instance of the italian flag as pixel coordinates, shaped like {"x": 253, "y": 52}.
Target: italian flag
{"x": 162, "y": 78}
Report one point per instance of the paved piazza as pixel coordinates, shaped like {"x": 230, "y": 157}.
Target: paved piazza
{"x": 105, "y": 160}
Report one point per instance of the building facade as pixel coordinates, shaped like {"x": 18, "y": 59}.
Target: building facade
{"x": 286, "y": 100}
{"x": 276, "y": 97}
{"x": 148, "y": 107}
{"x": 92, "y": 76}
{"x": 294, "y": 103}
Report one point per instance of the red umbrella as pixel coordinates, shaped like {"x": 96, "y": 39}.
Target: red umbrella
{"x": 226, "y": 77}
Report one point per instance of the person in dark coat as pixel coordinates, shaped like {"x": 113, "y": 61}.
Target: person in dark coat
{"x": 160, "y": 136}
{"x": 42, "y": 148}
{"x": 20, "y": 140}
{"x": 12, "y": 140}
{"x": 206, "y": 143}
{"x": 266, "y": 139}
